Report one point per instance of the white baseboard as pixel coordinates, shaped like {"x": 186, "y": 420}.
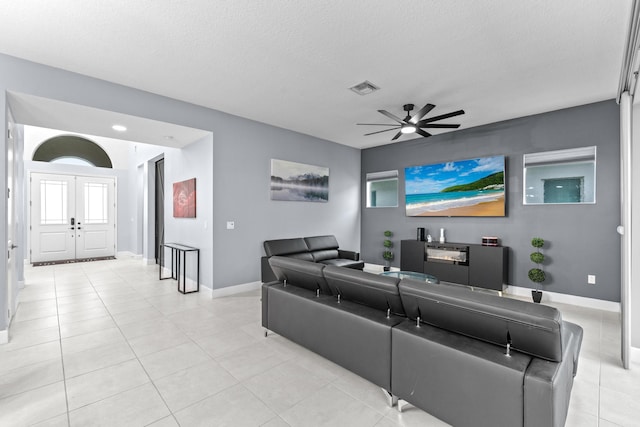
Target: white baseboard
{"x": 567, "y": 299}
{"x": 4, "y": 336}
{"x": 20, "y": 284}
{"x": 635, "y": 355}
{"x": 236, "y": 289}
{"x": 128, "y": 254}
{"x": 148, "y": 261}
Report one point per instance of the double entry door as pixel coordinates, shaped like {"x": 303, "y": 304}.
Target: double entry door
{"x": 72, "y": 217}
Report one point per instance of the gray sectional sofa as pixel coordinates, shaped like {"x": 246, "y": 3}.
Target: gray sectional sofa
{"x": 468, "y": 358}
{"x": 321, "y": 249}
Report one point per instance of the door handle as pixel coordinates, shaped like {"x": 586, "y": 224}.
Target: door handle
{"x": 79, "y": 228}
{"x": 13, "y": 246}
{"x": 72, "y": 228}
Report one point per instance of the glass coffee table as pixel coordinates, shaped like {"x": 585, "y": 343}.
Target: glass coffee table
{"x": 411, "y": 275}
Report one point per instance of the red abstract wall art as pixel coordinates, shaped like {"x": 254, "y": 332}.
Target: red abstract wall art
{"x": 184, "y": 199}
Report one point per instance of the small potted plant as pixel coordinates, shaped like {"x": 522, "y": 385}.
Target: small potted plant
{"x": 388, "y": 253}
{"x": 536, "y": 274}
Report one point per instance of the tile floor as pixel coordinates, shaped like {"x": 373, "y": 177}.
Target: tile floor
{"x": 106, "y": 343}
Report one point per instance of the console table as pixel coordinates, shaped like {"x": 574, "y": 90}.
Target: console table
{"x": 467, "y": 264}
{"x": 179, "y": 264}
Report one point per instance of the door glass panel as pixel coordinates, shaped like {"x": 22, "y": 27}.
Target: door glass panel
{"x": 53, "y": 202}
{"x": 95, "y": 203}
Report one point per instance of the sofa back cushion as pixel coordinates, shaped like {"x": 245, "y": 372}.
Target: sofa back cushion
{"x": 285, "y": 246}
{"x": 379, "y": 292}
{"x": 318, "y": 243}
{"x": 532, "y": 328}
{"x": 300, "y": 273}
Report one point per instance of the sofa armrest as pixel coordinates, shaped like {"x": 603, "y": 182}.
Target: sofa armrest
{"x": 547, "y": 385}
{"x": 265, "y": 303}
{"x": 349, "y": 255}
{"x": 266, "y": 273}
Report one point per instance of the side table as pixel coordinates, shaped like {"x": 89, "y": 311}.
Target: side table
{"x": 178, "y": 264}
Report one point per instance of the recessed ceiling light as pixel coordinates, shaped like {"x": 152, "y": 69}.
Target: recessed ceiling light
{"x": 119, "y": 128}
{"x": 364, "y": 88}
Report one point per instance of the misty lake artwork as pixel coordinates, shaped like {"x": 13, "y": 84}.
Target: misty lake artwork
{"x": 472, "y": 187}
{"x": 299, "y": 182}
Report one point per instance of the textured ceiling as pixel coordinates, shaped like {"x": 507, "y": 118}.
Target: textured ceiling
{"x": 290, "y": 63}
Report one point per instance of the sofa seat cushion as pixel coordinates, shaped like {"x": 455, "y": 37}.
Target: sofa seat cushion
{"x": 347, "y": 263}
{"x": 372, "y": 290}
{"x": 534, "y": 329}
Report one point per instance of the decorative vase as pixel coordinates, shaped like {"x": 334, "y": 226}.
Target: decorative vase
{"x": 537, "y": 296}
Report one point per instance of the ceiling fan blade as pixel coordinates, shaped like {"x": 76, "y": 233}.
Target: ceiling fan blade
{"x": 440, "y": 126}
{"x": 376, "y": 124}
{"x": 423, "y": 133}
{"x": 380, "y": 131}
{"x": 397, "y": 136}
{"x": 443, "y": 116}
{"x": 421, "y": 113}
{"x": 391, "y": 116}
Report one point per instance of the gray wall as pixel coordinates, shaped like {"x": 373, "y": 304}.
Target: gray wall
{"x": 582, "y": 239}
{"x": 242, "y": 150}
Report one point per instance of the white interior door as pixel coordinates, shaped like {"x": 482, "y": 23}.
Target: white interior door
{"x": 72, "y": 217}
{"x": 95, "y": 213}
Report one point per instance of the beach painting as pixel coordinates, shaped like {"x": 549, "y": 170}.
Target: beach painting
{"x": 299, "y": 182}
{"x": 472, "y": 187}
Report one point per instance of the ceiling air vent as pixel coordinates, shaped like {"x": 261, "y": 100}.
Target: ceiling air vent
{"x": 364, "y": 88}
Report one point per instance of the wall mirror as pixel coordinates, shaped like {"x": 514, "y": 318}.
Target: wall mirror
{"x": 382, "y": 189}
{"x": 560, "y": 176}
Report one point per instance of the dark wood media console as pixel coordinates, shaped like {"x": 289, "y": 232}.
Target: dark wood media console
{"x": 464, "y": 263}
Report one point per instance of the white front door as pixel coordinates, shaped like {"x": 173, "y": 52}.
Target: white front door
{"x": 72, "y": 217}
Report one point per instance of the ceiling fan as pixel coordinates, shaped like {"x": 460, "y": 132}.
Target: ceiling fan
{"x": 415, "y": 123}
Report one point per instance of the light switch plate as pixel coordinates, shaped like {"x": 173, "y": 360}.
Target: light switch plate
{"x": 231, "y": 225}
{"x": 591, "y": 279}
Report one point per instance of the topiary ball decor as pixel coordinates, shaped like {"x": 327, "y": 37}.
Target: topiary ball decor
{"x": 536, "y": 275}
{"x": 537, "y": 242}
{"x": 537, "y": 257}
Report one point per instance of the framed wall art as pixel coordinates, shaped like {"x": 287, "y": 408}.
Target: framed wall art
{"x": 293, "y": 181}
{"x": 184, "y": 199}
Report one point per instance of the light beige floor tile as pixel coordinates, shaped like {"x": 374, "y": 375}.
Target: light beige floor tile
{"x": 174, "y": 359}
{"x": 136, "y": 316}
{"x": 585, "y": 397}
{"x": 605, "y": 423}
{"x": 140, "y": 406}
{"x": 39, "y": 336}
{"x": 103, "y": 383}
{"x": 10, "y": 360}
{"x": 59, "y": 421}
{"x": 235, "y": 406}
{"x": 74, "y": 307}
{"x": 191, "y": 385}
{"x": 581, "y": 419}
{"x": 330, "y": 406}
{"x": 285, "y": 385}
{"x": 619, "y": 408}
{"x": 78, "y": 316}
{"x": 226, "y": 342}
{"x": 95, "y": 358}
{"x": 276, "y": 422}
{"x": 72, "y": 329}
{"x": 361, "y": 389}
{"x": 89, "y": 340}
{"x": 169, "y": 421}
{"x": 33, "y": 406}
{"x": 252, "y": 360}
{"x": 147, "y": 327}
{"x": 30, "y": 377}
{"x": 162, "y": 340}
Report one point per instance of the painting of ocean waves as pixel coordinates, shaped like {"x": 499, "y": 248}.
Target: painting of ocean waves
{"x": 472, "y": 187}
{"x": 299, "y": 182}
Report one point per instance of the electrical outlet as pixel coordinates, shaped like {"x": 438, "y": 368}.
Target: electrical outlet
{"x": 231, "y": 225}
{"x": 591, "y": 279}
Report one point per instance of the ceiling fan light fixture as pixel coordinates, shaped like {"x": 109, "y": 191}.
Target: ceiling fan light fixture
{"x": 408, "y": 129}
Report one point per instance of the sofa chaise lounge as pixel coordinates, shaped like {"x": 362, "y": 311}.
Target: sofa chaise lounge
{"x": 321, "y": 249}
{"x": 468, "y": 358}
